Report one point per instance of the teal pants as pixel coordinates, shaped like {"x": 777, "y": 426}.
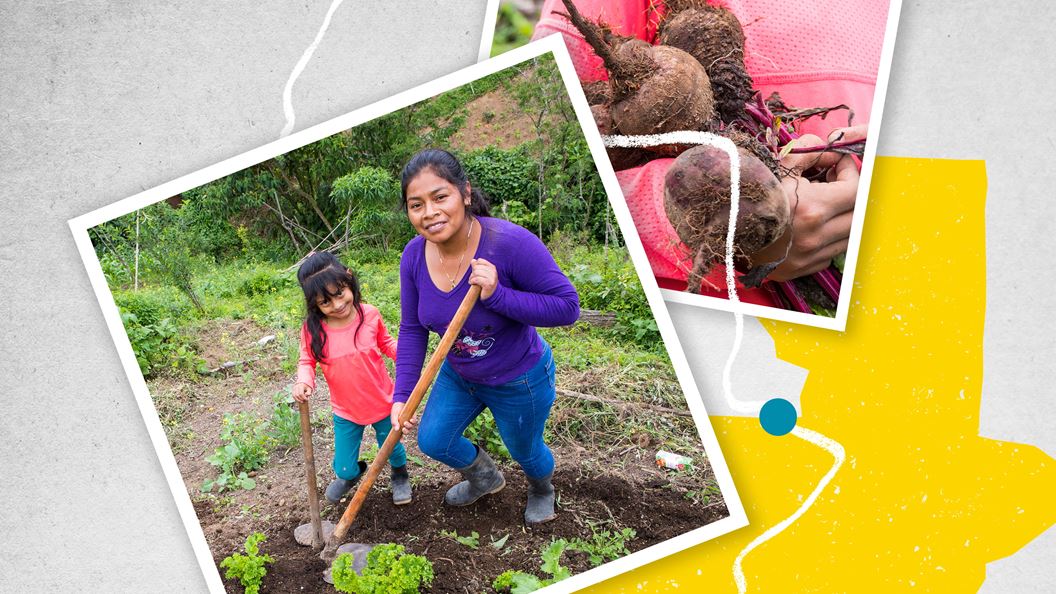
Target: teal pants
{"x": 348, "y": 436}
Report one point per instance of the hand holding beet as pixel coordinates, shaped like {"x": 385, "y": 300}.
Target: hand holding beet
{"x": 823, "y": 213}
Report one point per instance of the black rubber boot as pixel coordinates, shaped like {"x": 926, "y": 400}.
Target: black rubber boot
{"x": 482, "y": 478}
{"x": 339, "y": 486}
{"x": 540, "y": 506}
{"x": 401, "y": 485}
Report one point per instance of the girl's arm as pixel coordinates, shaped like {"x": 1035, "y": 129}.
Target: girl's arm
{"x": 305, "y": 369}
{"x": 410, "y": 351}
{"x": 541, "y": 294}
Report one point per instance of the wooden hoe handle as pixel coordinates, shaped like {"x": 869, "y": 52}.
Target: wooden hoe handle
{"x": 424, "y": 381}
{"x": 309, "y": 469}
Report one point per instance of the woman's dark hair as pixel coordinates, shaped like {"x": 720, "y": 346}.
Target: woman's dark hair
{"x": 446, "y": 166}
{"x": 323, "y": 276}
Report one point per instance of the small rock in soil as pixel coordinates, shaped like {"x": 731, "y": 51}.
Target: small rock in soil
{"x": 303, "y": 533}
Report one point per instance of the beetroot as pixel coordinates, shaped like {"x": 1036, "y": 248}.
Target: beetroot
{"x": 713, "y": 36}
{"x": 598, "y": 92}
{"x": 697, "y": 201}
{"x": 621, "y": 158}
{"x": 655, "y": 89}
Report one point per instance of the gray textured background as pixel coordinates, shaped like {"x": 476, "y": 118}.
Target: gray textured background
{"x": 100, "y": 100}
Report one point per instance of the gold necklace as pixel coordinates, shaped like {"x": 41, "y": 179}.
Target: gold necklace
{"x": 461, "y": 258}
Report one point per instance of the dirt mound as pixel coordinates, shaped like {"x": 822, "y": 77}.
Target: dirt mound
{"x": 653, "y": 510}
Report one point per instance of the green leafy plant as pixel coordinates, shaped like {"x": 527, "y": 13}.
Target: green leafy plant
{"x": 472, "y": 541}
{"x": 500, "y": 543}
{"x": 249, "y": 569}
{"x": 285, "y": 421}
{"x": 484, "y": 432}
{"x": 151, "y": 320}
{"x": 519, "y": 582}
{"x": 248, "y": 440}
{"x": 265, "y": 282}
{"x": 604, "y": 545}
{"x": 389, "y": 570}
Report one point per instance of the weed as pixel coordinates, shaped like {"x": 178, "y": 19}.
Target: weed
{"x": 246, "y": 450}
{"x": 369, "y": 454}
{"x": 483, "y": 432}
{"x": 604, "y": 545}
{"x": 500, "y": 543}
{"x": 472, "y": 541}
{"x": 707, "y": 493}
{"x": 285, "y": 420}
{"x": 519, "y": 582}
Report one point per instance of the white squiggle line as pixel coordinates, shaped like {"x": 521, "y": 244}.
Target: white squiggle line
{"x": 287, "y": 93}
{"x": 753, "y": 407}
{"x": 838, "y": 454}
{"x": 727, "y": 145}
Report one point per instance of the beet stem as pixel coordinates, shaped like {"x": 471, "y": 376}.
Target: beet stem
{"x": 828, "y": 284}
{"x": 792, "y": 293}
{"x": 856, "y": 147}
{"x": 590, "y": 33}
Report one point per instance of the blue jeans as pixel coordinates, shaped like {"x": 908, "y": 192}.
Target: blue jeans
{"x": 348, "y": 436}
{"x": 520, "y": 407}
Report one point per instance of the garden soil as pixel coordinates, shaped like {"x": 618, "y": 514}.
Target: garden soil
{"x": 598, "y": 488}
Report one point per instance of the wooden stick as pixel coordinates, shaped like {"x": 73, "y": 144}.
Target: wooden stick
{"x": 309, "y": 470}
{"x": 382, "y": 457}
{"x": 623, "y": 403}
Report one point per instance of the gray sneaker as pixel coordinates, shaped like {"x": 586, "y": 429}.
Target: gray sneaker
{"x": 339, "y": 487}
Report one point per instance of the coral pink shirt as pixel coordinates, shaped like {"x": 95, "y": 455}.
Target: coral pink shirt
{"x": 819, "y": 53}
{"x": 360, "y": 386}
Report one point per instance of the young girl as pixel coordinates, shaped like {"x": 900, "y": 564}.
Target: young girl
{"x": 347, "y": 338}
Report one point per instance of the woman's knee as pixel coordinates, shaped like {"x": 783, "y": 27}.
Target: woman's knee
{"x": 431, "y": 442}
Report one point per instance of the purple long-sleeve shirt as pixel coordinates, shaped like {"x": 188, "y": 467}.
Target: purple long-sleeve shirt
{"x": 498, "y": 342}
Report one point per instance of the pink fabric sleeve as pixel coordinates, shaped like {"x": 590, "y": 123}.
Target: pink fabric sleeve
{"x": 386, "y": 343}
{"x": 823, "y": 53}
{"x": 306, "y": 362}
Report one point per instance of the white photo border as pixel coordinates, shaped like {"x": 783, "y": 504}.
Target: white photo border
{"x": 552, "y": 44}
{"x": 839, "y": 322}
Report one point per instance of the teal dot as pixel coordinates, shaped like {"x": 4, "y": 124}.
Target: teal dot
{"x": 777, "y": 416}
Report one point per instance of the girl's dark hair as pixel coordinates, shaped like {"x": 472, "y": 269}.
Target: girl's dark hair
{"x": 320, "y": 273}
{"x": 444, "y": 165}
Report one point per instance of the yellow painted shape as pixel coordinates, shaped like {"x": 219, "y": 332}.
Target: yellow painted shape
{"x": 922, "y": 503}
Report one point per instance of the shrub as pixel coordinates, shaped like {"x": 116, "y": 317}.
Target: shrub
{"x": 503, "y": 175}
{"x": 151, "y": 318}
{"x": 150, "y": 306}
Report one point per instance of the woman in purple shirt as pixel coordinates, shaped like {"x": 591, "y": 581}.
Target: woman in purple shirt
{"x": 498, "y": 361}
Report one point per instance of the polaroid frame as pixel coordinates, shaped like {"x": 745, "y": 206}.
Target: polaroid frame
{"x": 839, "y": 322}
{"x": 553, "y": 44}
